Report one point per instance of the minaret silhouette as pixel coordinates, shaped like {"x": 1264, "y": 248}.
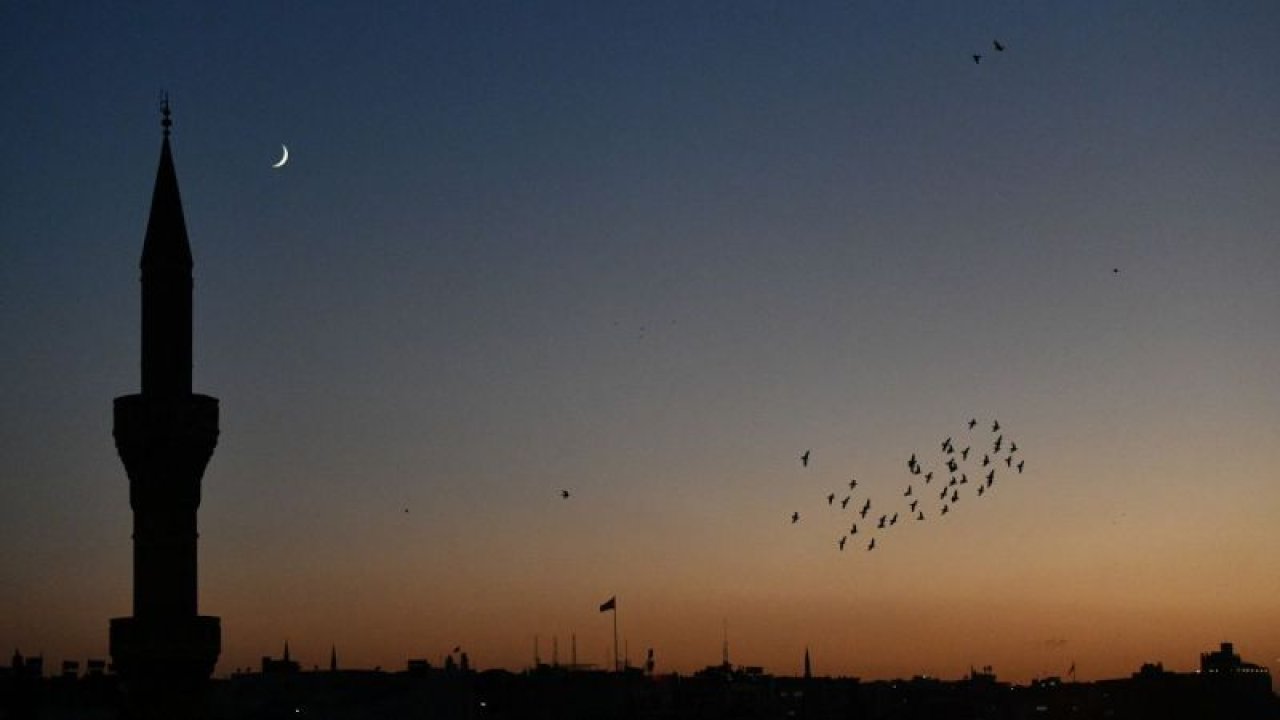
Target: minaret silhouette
{"x": 165, "y": 436}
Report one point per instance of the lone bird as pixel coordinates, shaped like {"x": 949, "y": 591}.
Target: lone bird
{"x": 991, "y": 476}
{"x": 920, "y": 515}
{"x": 831, "y": 498}
{"x": 880, "y": 526}
{"x": 563, "y": 494}
{"x": 964, "y": 454}
{"x": 894, "y": 520}
{"x": 943, "y": 496}
{"x": 1008, "y": 462}
{"x": 972, "y": 422}
{"x": 952, "y": 465}
{"x": 804, "y": 459}
{"x": 995, "y": 426}
{"x": 1013, "y": 447}
{"x": 1020, "y": 465}
{"x": 928, "y": 476}
{"x": 996, "y": 44}
{"x": 840, "y": 542}
{"x": 845, "y": 502}
{"x": 999, "y": 441}
{"x": 955, "y": 496}
{"x": 853, "y": 483}
{"x": 795, "y": 517}
{"x": 986, "y": 460}
{"x": 980, "y": 489}
{"x": 871, "y": 545}
{"x": 944, "y": 509}
{"x": 977, "y": 59}
{"x": 908, "y": 492}
{"x": 912, "y": 462}
{"x": 854, "y": 530}
{"x": 913, "y": 505}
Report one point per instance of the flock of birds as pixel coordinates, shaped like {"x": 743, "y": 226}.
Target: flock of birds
{"x": 974, "y": 452}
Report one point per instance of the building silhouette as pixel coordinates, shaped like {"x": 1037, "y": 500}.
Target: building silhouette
{"x": 165, "y": 435}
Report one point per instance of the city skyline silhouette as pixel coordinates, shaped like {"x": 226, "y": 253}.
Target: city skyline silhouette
{"x": 547, "y": 304}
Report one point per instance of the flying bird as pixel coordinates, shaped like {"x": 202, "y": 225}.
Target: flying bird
{"x": 881, "y": 524}
{"x": 964, "y": 454}
{"x": 831, "y": 498}
{"x": 1013, "y": 447}
{"x": 908, "y": 492}
{"x": 912, "y": 462}
{"x": 977, "y": 59}
{"x": 972, "y": 422}
{"x": 564, "y": 493}
{"x": 996, "y": 44}
{"x": 804, "y": 459}
{"x": 853, "y": 483}
{"x": 955, "y": 496}
{"x": 795, "y": 517}
{"x": 1020, "y": 465}
{"x": 964, "y": 478}
{"x": 946, "y": 443}
{"x": 944, "y": 509}
{"x": 986, "y": 460}
{"x": 980, "y": 489}
{"x": 928, "y": 476}
{"x": 854, "y": 530}
{"x": 845, "y": 502}
{"x": 952, "y": 465}
{"x": 894, "y": 520}
{"x": 841, "y": 542}
{"x": 995, "y": 426}
{"x": 871, "y": 545}
{"x": 1008, "y": 462}
{"x": 920, "y": 515}
{"x": 913, "y": 505}
{"x": 991, "y": 476}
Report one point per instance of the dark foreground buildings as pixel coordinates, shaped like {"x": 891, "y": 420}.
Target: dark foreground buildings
{"x": 165, "y": 434}
{"x": 1224, "y": 689}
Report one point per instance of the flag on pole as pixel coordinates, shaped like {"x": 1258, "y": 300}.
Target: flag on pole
{"x": 610, "y": 604}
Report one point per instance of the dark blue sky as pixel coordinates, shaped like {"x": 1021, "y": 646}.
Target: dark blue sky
{"x": 652, "y": 251}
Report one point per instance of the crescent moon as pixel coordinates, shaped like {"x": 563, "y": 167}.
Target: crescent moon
{"x": 283, "y": 158}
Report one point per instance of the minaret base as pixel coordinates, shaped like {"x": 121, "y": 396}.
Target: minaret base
{"x": 165, "y": 665}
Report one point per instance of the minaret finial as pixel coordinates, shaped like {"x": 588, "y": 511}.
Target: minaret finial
{"x": 166, "y": 122}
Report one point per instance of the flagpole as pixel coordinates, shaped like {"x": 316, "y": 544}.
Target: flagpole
{"x": 615, "y": 635}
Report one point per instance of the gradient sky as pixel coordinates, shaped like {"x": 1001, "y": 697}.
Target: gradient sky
{"x": 650, "y": 252}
